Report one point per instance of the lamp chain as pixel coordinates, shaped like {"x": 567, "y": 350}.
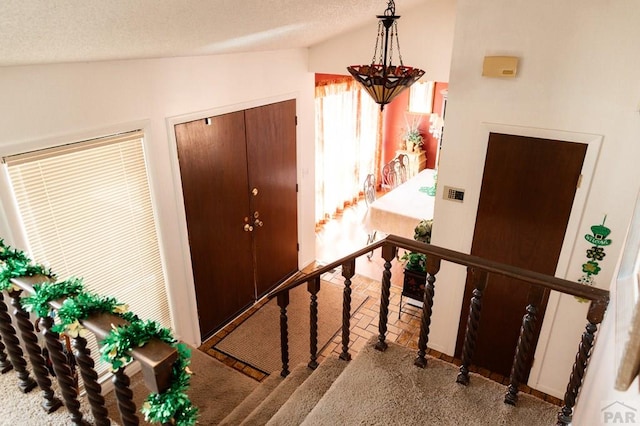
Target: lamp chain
{"x": 395, "y": 31}
{"x": 378, "y": 38}
{"x": 391, "y": 36}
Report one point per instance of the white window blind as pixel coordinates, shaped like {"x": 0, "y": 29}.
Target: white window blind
{"x": 87, "y": 213}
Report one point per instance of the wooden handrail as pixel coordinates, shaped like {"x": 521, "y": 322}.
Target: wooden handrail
{"x": 318, "y": 272}
{"x": 600, "y": 296}
{"x": 480, "y": 268}
{"x": 156, "y": 357}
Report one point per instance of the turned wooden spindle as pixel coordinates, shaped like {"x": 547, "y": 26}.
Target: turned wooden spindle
{"x": 90, "y": 380}
{"x": 480, "y": 278}
{"x": 313, "y": 286}
{"x": 283, "y": 302}
{"x": 8, "y": 333}
{"x": 5, "y": 364}
{"x": 63, "y": 370}
{"x": 50, "y": 403}
{"x": 388, "y": 254}
{"x": 595, "y": 315}
{"x": 124, "y": 397}
{"x": 577, "y": 374}
{"x": 348, "y": 271}
{"x": 524, "y": 355}
{"x": 433, "y": 266}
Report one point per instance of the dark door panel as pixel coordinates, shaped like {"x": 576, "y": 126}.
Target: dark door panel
{"x": 271, "y": 155}
{"x": 525, "y": 202}
{"x": 212, "y": 161}
{"x": 222, "y": 159}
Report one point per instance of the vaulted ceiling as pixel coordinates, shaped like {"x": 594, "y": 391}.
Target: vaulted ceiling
{"x": 55, "y": 31}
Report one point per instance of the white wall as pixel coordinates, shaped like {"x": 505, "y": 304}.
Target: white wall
{"x": 578, "y": 72}
{"x": 598, "y": 387}
{"x": 426, "y": 38}
{"x": 44, "y": 105}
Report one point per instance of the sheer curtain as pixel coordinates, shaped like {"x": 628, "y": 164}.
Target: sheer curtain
{"x": 347, "y": 144}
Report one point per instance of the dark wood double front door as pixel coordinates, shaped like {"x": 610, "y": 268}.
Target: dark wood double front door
{"x": 238, "y": 174}
{"x": 528, "y": 188}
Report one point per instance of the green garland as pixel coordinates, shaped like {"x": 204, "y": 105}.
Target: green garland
{"x": 116, "y": 347}
{"x": 171, "y": 406}
{"x": 79, "y": 307}
{"x": 47, "y": 292}
{"x": 14, "y": 263}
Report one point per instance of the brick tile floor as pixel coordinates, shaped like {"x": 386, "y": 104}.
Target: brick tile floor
{"x": 403, "y": 325}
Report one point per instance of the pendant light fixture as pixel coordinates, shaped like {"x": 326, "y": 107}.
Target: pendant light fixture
{"x": 383, "y": 80}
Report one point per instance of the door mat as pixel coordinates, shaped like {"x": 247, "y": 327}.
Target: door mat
{"x": 257, "y": 340}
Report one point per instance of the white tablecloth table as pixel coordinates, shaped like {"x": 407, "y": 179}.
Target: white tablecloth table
{"x": 399, "y": 210}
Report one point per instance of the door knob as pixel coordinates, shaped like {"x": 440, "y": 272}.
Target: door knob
{"x": 258, "y": 222}
{"x": 254, "y": 191}
{"x": 248, "y": 228}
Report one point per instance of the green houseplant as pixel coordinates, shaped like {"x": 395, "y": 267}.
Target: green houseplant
{"x": 415, "y": 268}
{"x": 418, "y": 261}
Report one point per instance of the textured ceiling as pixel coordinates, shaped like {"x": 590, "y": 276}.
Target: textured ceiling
{"x": 54, "y": 31}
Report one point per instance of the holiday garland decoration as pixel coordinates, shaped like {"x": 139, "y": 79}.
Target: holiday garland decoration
{"x": 598, "y": 238}
{"x": 171, "y": 406}
{"x": 47, "y": 292}
{"x": 79, "y": 307}
{"x": 14, "y": 263}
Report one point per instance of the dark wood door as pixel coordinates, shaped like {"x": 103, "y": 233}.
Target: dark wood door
{"x": 527, "y": 192}
{"x": 213, "y": 169}
{"x": 271, "y": 155}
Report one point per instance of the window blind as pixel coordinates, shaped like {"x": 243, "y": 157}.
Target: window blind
{"x": 86, "y": 211}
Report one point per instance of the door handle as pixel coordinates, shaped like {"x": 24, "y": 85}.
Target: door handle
{"x": 248, "y": 228}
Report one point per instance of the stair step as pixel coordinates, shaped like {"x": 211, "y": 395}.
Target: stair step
{"x": 302, "y": 401}
{"x": 387, "y": 388}
{"x": 215, "y": 389}
{"x": 242, "y": 410}
{"x": 278, "y": 397}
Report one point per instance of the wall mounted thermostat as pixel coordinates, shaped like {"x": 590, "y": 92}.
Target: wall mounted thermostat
{"x": 453, "y": 194}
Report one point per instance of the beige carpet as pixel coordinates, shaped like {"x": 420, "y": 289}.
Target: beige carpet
{"x": 257, "y": 340}
{"x": 25, "y": 410}
{"x": 390, "y": 390}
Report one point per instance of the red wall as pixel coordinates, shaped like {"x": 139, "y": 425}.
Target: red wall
{"x": 394, "y": 125}
{"x": 393, "y": 120}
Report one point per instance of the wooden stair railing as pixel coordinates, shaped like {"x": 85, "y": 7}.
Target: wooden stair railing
{"x": 156, "y": 359}
{"x": 481, "y": 270}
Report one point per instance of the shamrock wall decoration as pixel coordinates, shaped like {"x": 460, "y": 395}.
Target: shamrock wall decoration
{"x": 595, "y": 254}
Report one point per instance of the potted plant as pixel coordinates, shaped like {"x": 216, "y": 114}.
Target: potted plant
{"x": 412, "y": 137}
{"x": 415, "y": 268}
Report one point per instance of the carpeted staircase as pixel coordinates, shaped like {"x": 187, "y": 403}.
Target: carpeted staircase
{"x": 374, "y": 388}
{"x": 383, "y": 388}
